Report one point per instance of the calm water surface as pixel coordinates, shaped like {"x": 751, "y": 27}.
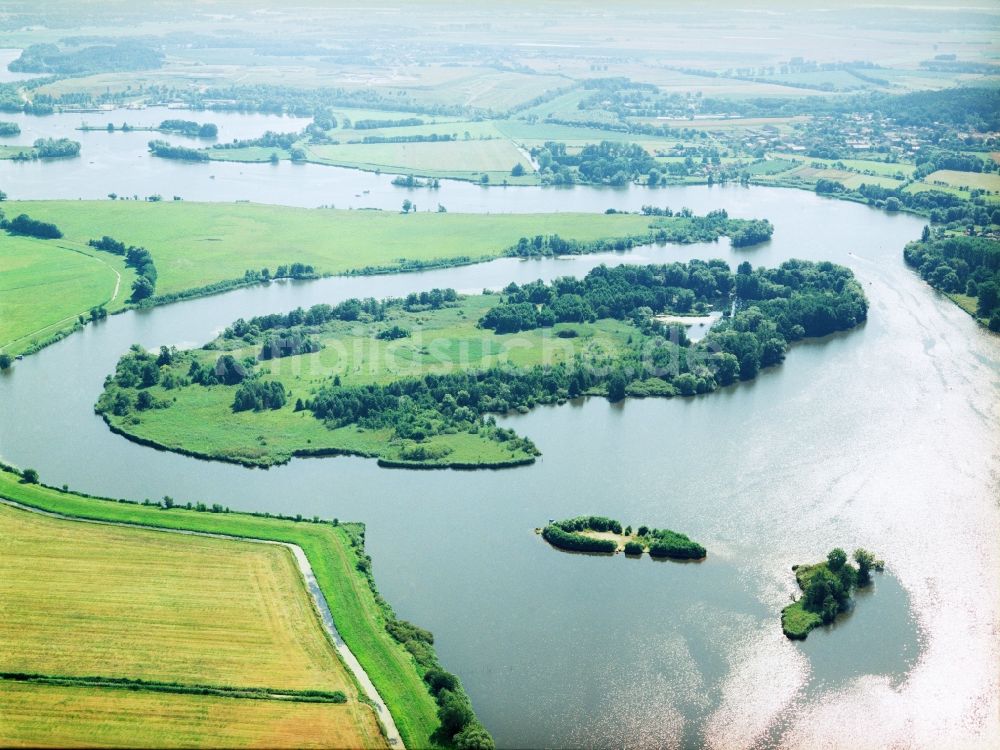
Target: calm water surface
{"x": 885, "y": 437}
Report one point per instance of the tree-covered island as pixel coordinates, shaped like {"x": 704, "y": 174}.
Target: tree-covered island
{"x": 416, "y": 381}
{"x": 601, "y": 535}
{"x": 827, "y": 589}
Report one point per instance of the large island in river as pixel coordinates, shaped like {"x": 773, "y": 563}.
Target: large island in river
{"x": 415, "y": 381}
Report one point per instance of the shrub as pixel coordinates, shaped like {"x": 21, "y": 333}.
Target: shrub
{"x": 633, "y": 548}
{"x": 576, "y": 542}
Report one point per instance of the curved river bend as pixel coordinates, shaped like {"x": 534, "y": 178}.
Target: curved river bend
{"x": 885, "y": 437}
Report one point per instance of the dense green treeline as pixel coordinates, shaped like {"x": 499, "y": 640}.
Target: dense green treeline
{"x": 961, "y": 265}
{"x": 190, "y": 128}
{"x": 183, "y": 153}
{"x": 683, "y": 228}
{"x": 126, "y": 55}
{"x": 138, "y": 258}
{"x": 23, "y": 224}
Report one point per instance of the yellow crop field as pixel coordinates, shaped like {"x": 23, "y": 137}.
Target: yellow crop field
{"x": 82, "y": 599}
{"x": 52, "y": 716}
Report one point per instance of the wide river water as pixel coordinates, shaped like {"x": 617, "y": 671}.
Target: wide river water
{"x": 886, "y": 437}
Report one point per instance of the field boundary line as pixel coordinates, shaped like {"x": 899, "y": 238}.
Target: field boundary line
{"x": 312, "y": 586}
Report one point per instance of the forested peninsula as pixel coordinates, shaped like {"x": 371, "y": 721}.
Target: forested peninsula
{"x": 417, "y": 381}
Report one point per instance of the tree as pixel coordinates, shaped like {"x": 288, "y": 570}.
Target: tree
{"x": 727, "y": 368}
{"x": 836, "y": 559}
{"x": 518, "y": 170}
{"x": 616, "y": 386}
{"x": 474, "y": 737}
{"x": 454, "y": 712}
{"x": 5, "y": 361}
{"x": 407, "y": 206}
{"x": 989, "y": 298}
{"x": 926, "y": 234}
{"x": 142, "y": 289}
{"x": 30, "y": 476}
{"x": 866, "y": 561}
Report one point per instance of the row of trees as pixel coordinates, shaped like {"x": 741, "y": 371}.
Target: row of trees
{"x": 138, "y": 258}
{"x": 24, "y": 225}
{"x": 167, "y": 151}
{"x": 349, "y": 310}
{"x": 190, "y": 128}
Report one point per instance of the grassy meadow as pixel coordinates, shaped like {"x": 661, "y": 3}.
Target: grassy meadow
{"x": 55, "y": 716}
{"x": 359, "y": 617}
{"x": 968, "y": 180}
{"x": 460, "y": 159}
{"x": 46, "y": 284}
{"x": 195, "y": 244}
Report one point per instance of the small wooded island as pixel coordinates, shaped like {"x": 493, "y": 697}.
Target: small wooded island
{"x": 607, "y": 536}
{"x": 827, "y": 588}
{"x": 416, "y": 381}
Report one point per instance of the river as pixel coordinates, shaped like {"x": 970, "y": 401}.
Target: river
{"x": 884, "y": 437}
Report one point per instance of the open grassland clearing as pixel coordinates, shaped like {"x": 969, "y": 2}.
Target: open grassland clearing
{"x": 482, "y": 88}
{"x": 467, "y": 159}
{"x": 810, "y": 175}
{"x": 37, "y": 715}
{"x": 46, "y": 284}
{"x": 359, "y": 618}
{"x": 878, "y": 168}
{"x": 967, "y": 180}
{"x": 85, "y": 599}
{"x": 195, "y": 244}
{"x": 11, "y": 152}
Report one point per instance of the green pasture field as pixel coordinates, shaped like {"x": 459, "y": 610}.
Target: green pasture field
{"x": 358, "y": 616}
{"x": 195, "y": 244}
{"x": 46, "y": 284}
{"x": 464, "y": 159}
{"x": 972, "y": 180}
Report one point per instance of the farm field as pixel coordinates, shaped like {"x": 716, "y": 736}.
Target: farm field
{"x": 359, "y": 618}
{"x": 55, "y": 716}
{"x": 46, "y": 284}
{"x": 194, "y": 244}
{"x": 974, "y": 180}
{"x": 204, "y": 611}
